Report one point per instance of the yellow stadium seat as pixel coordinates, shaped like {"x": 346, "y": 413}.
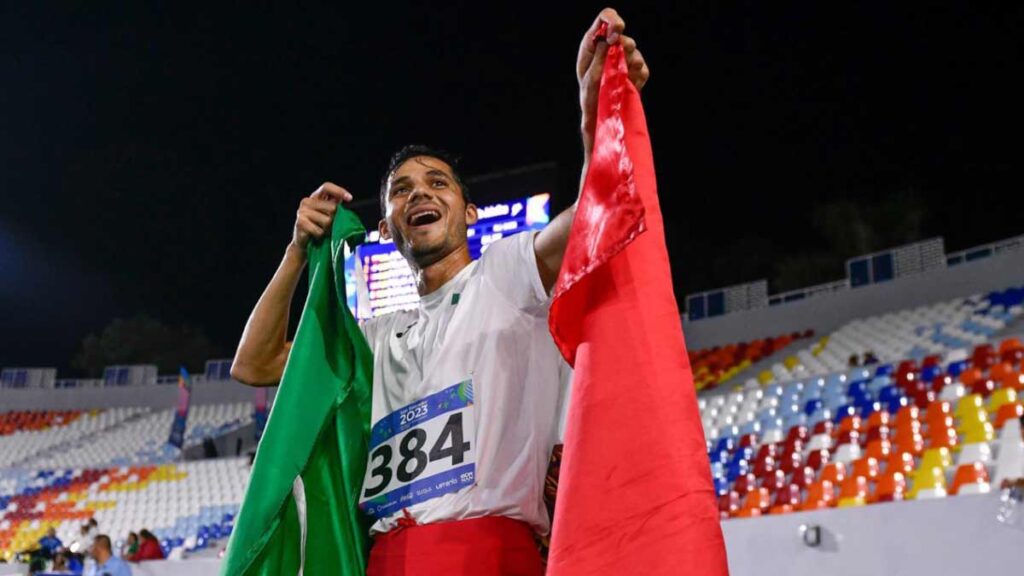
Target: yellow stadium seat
{"x": 1000, "y": 398}
{"x": 936, "y": 457}
{"x": 969, "y": 404}
{"x": 928, "y": 483}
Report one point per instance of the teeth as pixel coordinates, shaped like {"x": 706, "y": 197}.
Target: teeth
{"x": 416, "y": 219}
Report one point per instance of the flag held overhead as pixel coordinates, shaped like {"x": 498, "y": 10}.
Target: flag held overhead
{"x": 635, "y": 493}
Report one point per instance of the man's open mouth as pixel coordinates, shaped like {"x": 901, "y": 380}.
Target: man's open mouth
{"x": 423, "y": 217}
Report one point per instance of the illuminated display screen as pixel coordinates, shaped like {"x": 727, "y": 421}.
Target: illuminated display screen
{"x": 379, "y": 281}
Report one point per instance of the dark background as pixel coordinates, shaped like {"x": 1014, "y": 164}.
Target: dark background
{"x": 152, "y": 157}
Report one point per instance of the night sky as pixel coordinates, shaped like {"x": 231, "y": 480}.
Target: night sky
{"x": 151, "y": 158}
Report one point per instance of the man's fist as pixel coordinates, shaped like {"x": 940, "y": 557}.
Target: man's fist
{"x": 316, "y": 213}
{"x": 590, "y": 63}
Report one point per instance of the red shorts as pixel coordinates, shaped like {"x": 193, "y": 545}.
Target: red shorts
{"x": 488, "y": 546}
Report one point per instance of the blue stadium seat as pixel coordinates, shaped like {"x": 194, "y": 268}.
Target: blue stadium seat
{"x": 955, "y": 368}
{"x": 812, "y": 406}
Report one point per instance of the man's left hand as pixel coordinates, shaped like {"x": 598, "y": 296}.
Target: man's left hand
{"x": 590, "y": 63}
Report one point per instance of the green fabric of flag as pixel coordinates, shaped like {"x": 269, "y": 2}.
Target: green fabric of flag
{"x": 318, "y": 429}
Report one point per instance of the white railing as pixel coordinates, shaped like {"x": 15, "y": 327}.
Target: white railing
{"x": 809, "y": 292}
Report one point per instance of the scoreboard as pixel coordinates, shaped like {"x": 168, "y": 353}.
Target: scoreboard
{"x": 378, "y": 280}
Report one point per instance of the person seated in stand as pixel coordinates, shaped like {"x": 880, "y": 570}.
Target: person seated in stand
{"x": 131, "y": 546}
{"x": 149, "y": 548}
{"x": 106, "y": 563}
{"x": 49, "y": 544}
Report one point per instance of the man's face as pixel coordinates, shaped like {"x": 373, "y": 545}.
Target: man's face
{"x": 425, "y": 214}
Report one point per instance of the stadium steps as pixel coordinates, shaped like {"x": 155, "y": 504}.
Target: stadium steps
{"x": 76, "y": 442}
{"x": 761, "y": 365}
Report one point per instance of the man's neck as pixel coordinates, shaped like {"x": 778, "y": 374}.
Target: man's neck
{"x": 437, "y": 274}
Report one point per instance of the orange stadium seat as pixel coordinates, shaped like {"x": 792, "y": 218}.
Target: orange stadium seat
{"x": 970, "y": 479}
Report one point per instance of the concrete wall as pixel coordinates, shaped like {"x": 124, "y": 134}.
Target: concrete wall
{"x": 828, "y": 312}
{"x": 957, "y": 535}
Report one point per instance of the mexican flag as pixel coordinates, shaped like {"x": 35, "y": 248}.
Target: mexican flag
{"x": 300, "y": 512}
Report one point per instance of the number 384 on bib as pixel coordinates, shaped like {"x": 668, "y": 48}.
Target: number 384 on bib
{"x": 421, "y": 451}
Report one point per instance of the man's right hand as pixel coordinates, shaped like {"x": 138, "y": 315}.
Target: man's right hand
{"x": 316, "y": 214}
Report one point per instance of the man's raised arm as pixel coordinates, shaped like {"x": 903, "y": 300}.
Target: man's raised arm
{"x": 263, "y": 349}
{"x": 549, "y": 245}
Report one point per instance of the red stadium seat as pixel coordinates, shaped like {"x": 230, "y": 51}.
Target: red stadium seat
{"x": 878, "y": 449}
{"x": 970, "y": 479}
{"x": 786, "y": 500}
{"x": 803, "y": 476}
{"x": 900, "y": 462}
{"x": 820, "y": 495}
{"x": 775, "y": 481}
{"x": 728, "y": 504}
{"x": 867, "y": 467}
{"x": 744, "y": 483}
{"x": 758, "y": 502}
{"x": 834, "y": 472}
{"x": 818, "y": 458}
{"x": 1008, "y": 412}
{"x": 854, "y": 492}
{"x": 892, "y": 486}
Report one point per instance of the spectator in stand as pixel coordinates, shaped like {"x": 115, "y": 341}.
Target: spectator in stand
{"x": 854, "y": 361}
{"x": 106, "y": 563}
{"x": 870, "y": 358}
{"x": 62, "y": 564}
{"x": 149, "y": 548}
{"x": 131, "y": 546}
{"x": 49, "y": 544}
{"x": 89, "y": 531}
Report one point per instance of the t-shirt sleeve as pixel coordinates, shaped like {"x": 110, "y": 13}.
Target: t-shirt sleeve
{"x": 510, "y": 266}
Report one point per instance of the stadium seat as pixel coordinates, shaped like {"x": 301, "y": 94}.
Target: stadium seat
{"x": 786, "y": 500}
{"x": 936, "y": 457}
{"x": 1008, "y": 412}
{"x": 834, "y": 472}
{"x": 1000, "y": 398}
{"x": 866, "y": 467}
{"x": 970, "y": 479}
{"x": 928, "y": 483}
{"x": 728, "y": 504}
{"x": 803, "y": 476}
{"x": 744, "y": 484}
{"x": 757, "y": 502}
{"x": 900, "y": 462}
{"x": 847, "y": 452}
{"x": 816, "y": 459}
{"x": 820, "y": 494}
{"x": 879, "y": 449}
{"x": 1013, "y": 380}
{"x": 970, "y": 376}
{"x": 853, "y": 492}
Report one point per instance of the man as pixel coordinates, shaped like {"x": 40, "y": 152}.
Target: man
{"x": 50, "y": 543}
{"x": 106, "y": 563}
{"x": 478, "y": 341}
{"x": 86, "y": 535}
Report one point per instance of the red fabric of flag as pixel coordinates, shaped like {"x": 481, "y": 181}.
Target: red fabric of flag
{"x": 635, "y": 493}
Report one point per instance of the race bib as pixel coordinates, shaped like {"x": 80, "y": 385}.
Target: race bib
{"x": 421, "y": 451}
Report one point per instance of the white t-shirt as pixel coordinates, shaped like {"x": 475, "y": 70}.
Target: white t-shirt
{"x": 487, "y": 325}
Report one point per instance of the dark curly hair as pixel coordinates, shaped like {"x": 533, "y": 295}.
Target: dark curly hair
{"x": 412, "y": 151}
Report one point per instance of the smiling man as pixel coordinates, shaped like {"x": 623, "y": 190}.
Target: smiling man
{"x": 465, "y": 386}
